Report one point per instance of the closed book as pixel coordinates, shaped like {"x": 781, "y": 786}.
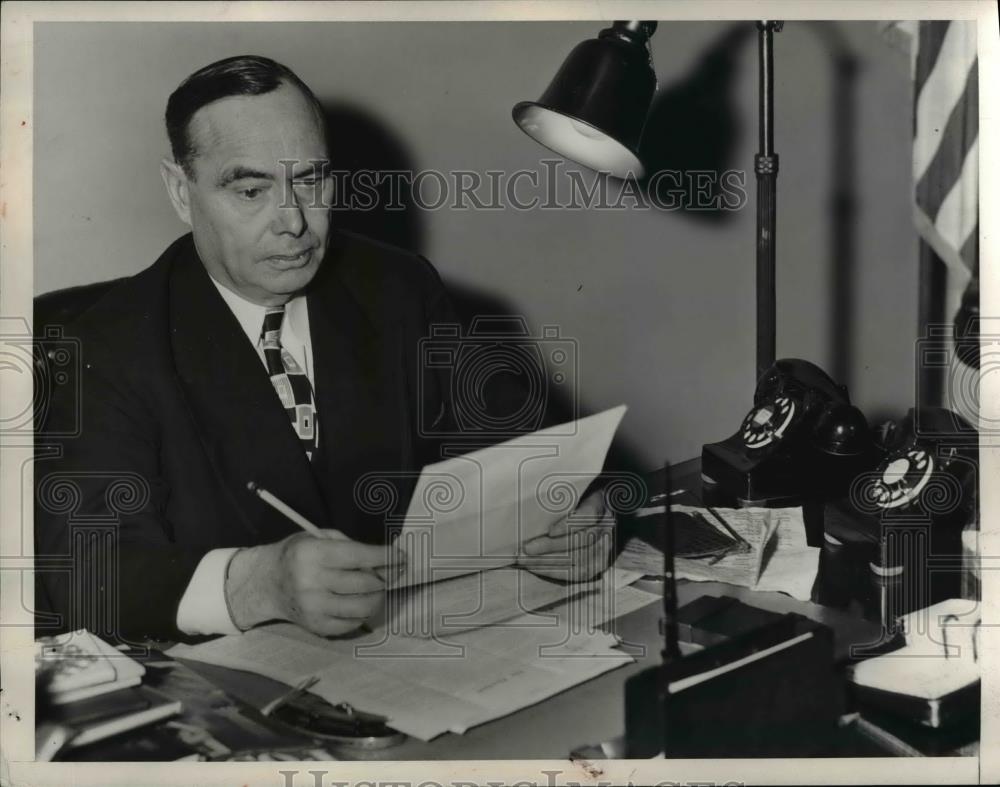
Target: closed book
{"x": 934, "y": 679}
{"x": 932, "y": 690}
{"x": 79, "y": 665}
{"x": 937, "y": 712}
{"x": 96, "y": 718}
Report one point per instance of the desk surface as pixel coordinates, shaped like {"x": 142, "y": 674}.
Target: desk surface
{"x": 586, "y": 714}
{"x": 589, "y": 713}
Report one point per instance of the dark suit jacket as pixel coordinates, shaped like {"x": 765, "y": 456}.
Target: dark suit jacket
{"x": 178, "y": 414}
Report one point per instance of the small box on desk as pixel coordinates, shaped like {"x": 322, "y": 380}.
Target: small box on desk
{"x": 712, "y": 620}
{"x": 770, "y": 692}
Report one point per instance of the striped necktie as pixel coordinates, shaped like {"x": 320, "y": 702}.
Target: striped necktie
{"x": 290, "y": 382}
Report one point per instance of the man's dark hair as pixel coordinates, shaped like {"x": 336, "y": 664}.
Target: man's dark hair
{"x": 243, "y": 75}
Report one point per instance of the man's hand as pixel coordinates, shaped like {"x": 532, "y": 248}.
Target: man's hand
{"x": 327, "y": 585}
{"x": 576, "y": 548}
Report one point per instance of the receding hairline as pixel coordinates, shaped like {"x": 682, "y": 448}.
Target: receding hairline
{"x": 310, "y": 102}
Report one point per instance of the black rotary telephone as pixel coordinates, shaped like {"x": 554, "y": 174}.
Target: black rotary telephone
{"x": 803, "y": 440}
{"x": 902, "y": 521}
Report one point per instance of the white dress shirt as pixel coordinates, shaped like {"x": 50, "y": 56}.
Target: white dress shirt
{"x": 203, "y": 608}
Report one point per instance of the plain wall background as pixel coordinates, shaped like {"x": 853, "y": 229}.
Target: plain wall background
{"x": 660, "y": 303}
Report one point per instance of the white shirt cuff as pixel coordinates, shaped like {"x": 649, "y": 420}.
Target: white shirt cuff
{"x": 203, "y": 608}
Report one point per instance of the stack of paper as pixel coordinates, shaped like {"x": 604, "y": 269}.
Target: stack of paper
{"x": 426, "y": 686}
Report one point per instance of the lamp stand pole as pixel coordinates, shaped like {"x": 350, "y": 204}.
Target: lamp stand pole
{"x": 766, "y": 167}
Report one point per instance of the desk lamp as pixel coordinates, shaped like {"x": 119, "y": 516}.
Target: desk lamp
{"x": 595, "y": 108}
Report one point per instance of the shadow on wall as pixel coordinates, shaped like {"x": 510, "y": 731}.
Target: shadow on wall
{"x": 842, "y": 199}
{"x": 693, "y": 124}
{"x": 361, "y": 142}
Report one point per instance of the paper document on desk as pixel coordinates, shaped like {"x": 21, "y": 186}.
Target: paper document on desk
{"x": 481, "y": 599}
{"x": 739, "y": 567}
{"x": 779, "y": 559}
{"x": 429, "y": 686}
{"x": 790, "y": 564}
{"x": 471, "y": 512}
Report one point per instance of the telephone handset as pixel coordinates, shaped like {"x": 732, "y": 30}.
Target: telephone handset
{"x": 801, "y": 440}
{"x": 789, "y": 394}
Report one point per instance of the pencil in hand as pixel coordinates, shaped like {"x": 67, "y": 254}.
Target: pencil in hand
{"x": 385, "y": 573}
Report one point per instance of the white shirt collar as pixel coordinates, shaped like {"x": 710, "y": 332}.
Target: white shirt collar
{"x": 250, "y": 315}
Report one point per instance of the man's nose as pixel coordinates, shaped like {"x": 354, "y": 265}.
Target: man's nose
{"x": 290, "y": 218}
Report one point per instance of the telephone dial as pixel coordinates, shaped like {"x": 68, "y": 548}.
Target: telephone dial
{"x": 927, "y": 473}
{"x": 802, "y": 440}
{"x": 903, "y": 518}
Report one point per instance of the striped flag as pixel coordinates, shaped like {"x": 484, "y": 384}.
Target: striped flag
{"x": 945, "y": 71}
{"x": 946, "y": 140}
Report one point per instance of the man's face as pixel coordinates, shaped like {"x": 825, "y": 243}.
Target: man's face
{"x": 257, "y": 199}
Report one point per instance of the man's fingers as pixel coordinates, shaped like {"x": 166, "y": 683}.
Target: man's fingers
{"x": 349, "y": 582}
{"x": 591, "y": 513}
{"x": 360, "y": 605}
{"x": 544, "y": 545}
{"x": 348, "y": 554}
{"x": 330, "y": 626}
{"x": 574, "y": 540}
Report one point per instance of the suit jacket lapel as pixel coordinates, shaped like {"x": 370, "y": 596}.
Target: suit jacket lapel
{"x": 361, "y": 399}
{"x": 245, "y": 430}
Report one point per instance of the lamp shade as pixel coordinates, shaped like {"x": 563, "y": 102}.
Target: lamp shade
{"x": 594, "y": 110}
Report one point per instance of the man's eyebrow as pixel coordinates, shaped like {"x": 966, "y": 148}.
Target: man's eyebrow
{"x": 313, "y": 167}
{"x": 242, "y": 173}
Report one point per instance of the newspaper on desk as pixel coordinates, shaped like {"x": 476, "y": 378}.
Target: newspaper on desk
{"x": 427, "y": 686}
{"x": 779, "y": 558}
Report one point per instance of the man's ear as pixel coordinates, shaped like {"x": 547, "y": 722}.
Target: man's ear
{"x": 176, "y": 181}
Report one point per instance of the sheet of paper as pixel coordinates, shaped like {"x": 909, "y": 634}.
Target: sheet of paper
{"x": 479, "y": 599}
{"x": 472, "y": 511}
{"x": 790, "y": 564}
{"x": 639, "y": 556}
{"x": 428, "y": 686}
{"x": 787, "y": 563}
{"x": 755, "y": 525}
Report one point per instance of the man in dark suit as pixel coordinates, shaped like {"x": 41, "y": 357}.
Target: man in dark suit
{"x": 264, "y": 346}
